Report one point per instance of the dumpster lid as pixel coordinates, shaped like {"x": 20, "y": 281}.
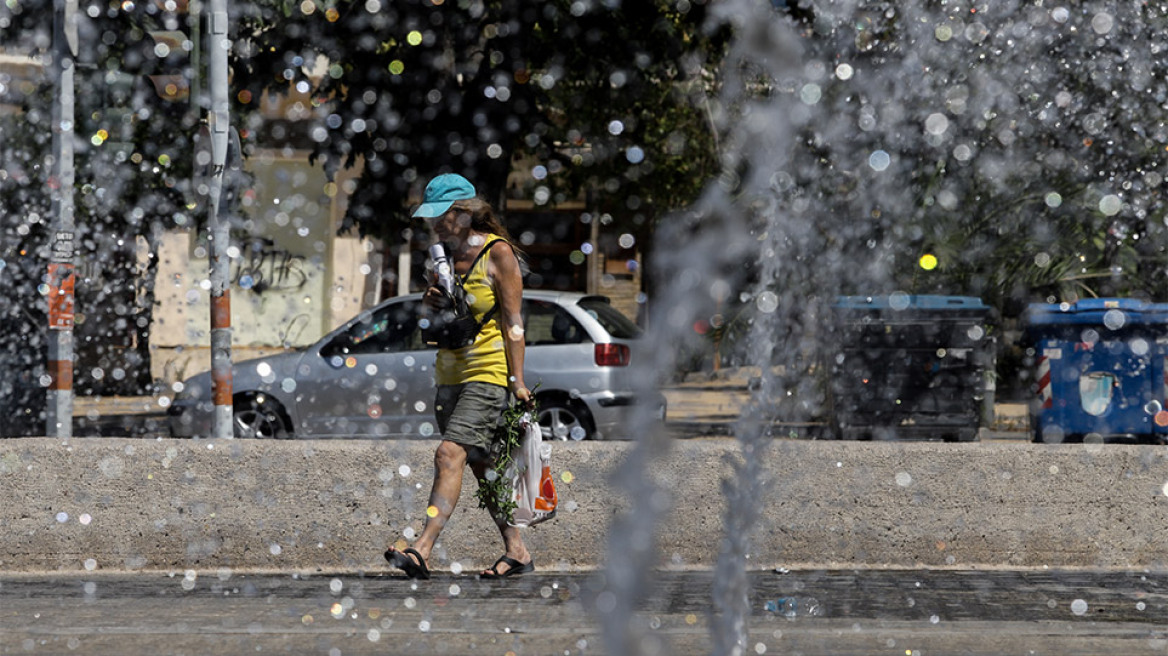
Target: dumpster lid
{"x": 898, "y": 301}
{"x": 1113, "y": 313}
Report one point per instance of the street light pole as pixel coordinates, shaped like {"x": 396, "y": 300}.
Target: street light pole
{"x": 61, "y": 270}
{"x": 218, "y": 120}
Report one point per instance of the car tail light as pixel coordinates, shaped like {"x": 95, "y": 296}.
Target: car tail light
{"x": 612, "y": 355}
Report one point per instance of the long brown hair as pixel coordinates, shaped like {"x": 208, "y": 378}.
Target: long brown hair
{"x": 483, "y": 219}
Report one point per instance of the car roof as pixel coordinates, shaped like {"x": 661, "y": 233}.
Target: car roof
{"x": 552, "y": 295}
{"x": 568, "y": 298}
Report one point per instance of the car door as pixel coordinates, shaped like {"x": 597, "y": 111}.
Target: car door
{"x": 375, "y": 378}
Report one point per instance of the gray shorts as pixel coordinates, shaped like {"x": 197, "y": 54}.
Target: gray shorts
{"x": 468, "y": 414}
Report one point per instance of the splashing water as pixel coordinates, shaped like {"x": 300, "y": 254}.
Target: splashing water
{"x": 694, "y": 293}
{"x": 880, "y": 150}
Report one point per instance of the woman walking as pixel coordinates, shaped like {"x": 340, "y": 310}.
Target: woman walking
{"x": 474, "y": 381}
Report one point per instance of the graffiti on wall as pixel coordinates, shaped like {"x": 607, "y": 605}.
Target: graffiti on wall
{"x": 262, "y": 267}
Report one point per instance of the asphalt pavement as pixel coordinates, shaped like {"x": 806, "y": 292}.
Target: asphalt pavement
{"x": 853, "y": 612}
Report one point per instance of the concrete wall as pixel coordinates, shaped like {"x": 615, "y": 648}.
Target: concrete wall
{"x": 312, "y": 505}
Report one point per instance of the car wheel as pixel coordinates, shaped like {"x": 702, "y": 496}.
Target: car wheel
{"x": 559, "y": 420}
{"x": 260, "y": 417}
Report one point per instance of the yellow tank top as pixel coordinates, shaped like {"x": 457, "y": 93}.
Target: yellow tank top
{"x": 484, "y": 361}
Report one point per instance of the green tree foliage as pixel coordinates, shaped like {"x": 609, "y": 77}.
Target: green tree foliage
{"x": 601, "y": 97}
{"x": 1022, "y": 145}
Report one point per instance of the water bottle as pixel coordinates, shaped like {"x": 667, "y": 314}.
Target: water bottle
{"x": 442, "y": 268}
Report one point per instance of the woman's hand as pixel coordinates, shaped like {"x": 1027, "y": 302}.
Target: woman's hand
{"x": 523, "y": 395}
{"x": 435, "y": 299}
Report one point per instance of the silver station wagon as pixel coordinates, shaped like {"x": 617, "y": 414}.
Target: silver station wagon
{"x": 374, "y": 377}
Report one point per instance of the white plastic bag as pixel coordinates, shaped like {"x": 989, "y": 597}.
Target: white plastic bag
{"x": 532, "y": 487}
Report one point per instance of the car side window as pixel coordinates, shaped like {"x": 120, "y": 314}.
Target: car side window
{"x": 547, "y": 323}
{"x": 390, "y": 329}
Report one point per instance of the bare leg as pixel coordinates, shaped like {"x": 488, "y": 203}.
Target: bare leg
{"x": 512, "y": 538}
{"x": 449, "y": 460}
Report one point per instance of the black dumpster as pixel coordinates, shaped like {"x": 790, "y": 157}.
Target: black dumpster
{"x": 911, "y": 367}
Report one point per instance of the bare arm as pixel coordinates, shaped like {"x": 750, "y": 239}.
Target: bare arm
{"x": 508, "y": 284}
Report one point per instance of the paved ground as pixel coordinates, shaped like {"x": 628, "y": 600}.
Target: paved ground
{"x": 913, "y": 613}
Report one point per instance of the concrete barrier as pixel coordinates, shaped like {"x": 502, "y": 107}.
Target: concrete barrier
{"x": 172, "y": 505}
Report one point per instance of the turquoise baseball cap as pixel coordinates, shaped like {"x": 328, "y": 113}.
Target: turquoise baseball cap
{"x": 441, "y": 194}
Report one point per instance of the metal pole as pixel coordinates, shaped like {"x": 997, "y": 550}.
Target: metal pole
{"x": 195, "y": 24}
{"x": 59, "y": 415}
{"x": 218, "y": 120}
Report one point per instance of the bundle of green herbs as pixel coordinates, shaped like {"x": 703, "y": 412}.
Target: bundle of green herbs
{"x": 494, "y": 492}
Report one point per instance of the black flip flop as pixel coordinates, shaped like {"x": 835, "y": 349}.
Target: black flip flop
{"x": 514, "y": 568}
{"x": 401, "y": 560}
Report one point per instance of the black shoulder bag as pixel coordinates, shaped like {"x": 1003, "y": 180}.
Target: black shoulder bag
{"x": 455, "y": 326}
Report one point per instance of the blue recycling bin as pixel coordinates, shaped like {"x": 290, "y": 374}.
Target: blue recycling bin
{"x": 1099, "y": 370}
{"x": 911, "y": 367}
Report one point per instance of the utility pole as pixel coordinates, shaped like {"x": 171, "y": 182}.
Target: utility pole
{"x": 218, "y": 120}
{"x": 61, "y": 270}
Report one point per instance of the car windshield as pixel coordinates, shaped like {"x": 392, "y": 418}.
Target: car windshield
{"x": 617, "y": 324}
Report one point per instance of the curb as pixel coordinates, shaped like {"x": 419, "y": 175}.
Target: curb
{"x": 171, "y": 504}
